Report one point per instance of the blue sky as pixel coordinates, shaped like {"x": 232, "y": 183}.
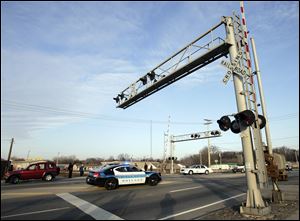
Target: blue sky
{"x": 63, "y": 62}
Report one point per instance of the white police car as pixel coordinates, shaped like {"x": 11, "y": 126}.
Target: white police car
{"x": 112, "y": 176}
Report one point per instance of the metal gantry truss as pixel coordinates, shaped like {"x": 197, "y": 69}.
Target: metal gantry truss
{"x": 187, "y": 60}
{"x": 196, "y": 136}
{"x": 189, "y": 137}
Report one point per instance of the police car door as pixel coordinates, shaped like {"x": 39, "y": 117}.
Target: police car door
{"x": 128, "y": 175}
{"x": 137, "y": 175}
{"x": 121, "y": 174}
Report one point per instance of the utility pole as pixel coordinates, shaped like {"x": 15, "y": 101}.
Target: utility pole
{"x": 166, "y": 144}
{"x": 151, "y": 139}
{"x": 262, "y": 97}
{"x": 28, "y": 155}
{"x": 9, "y": 154}
{"x": 57, "y": 158}
{"x": 172, "y": 155}
{"x": 200, "y": 157}
{"x": 208, "y": 122}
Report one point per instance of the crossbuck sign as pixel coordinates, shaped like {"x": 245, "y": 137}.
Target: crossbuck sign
{"x": 233, "y": 67}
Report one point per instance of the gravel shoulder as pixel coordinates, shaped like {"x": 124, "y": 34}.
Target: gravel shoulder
{"x": 288, "y": 209}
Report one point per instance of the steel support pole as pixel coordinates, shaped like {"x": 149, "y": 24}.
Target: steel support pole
{"x": 200, "y": 157}
{"x": 208, "y": 152}
{"x": 254, "y": 197}
{"x": 262, "y": 98}
{"x": 208, "y": 122}
{"x": 172, "y": 155}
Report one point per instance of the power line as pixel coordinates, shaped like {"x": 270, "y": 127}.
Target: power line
{"x": 45, "y": 109}
{"x": 78, "y": 114}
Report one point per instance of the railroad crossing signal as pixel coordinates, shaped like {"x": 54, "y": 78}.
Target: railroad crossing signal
{"x": 224, "y": 123}
{"x": 192, "y": 58}
{"x": 242, "y": 120}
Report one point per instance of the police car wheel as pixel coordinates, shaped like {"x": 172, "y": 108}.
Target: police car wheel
{"x": 153, "y": 180}
{"x": 111, "y": 184}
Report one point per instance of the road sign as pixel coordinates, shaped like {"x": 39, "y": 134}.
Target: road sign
{"x": 227, "y": 76}
{"x": 233, "y": 67}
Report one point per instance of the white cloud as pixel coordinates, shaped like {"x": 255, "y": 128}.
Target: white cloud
{"x": 81, "y": 83}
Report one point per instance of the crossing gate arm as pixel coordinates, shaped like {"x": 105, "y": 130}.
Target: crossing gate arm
{"x": 174, "y": 68}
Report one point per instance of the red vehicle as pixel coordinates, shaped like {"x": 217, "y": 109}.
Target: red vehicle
{"x": 41, "y": 170}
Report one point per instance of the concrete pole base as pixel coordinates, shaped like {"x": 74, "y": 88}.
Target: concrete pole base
{"x": 277, "y": 196}
{"x": 248, "y": 211}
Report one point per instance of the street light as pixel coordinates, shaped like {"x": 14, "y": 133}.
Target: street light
{"x": 208, "y": 122}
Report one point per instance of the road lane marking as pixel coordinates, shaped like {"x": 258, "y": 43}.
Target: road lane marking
{"x": 36, "y": 212}
{"x": 201, "y": 207}
{"x": 190, "y": 188}
{"x": 26, "y": 194}
{"x": 88, "y": 208}
{"x": 166, "y": 182}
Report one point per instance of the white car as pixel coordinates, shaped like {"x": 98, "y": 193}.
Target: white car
{"x": 198, "y": 169}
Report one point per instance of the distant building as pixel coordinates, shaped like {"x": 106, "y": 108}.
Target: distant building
{"x": 220, "y": 167}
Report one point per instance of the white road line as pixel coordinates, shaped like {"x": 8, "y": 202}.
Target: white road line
{"x": 88, "y": 208}
{"x": 166, "y": 182}
{"x": 201, "y": 207}
{"x": 190, "y": 188}
{"x": 36, "y": 212}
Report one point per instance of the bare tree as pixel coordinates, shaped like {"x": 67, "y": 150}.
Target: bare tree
{"x": 287, "y": 152}
{"x": 92, "y": 160}
{"x": 123, "y": 157}
{"x": 66, "y": 159}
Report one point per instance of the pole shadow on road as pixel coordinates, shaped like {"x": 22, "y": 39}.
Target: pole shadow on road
{"x": 167, "y": 206}
{"x": 217, "y": 188}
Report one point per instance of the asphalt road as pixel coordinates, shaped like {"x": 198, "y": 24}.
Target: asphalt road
{"x": 176, "y": 197}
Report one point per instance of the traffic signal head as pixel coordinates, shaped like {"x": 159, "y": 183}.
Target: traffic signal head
{"x": 195, "y": 135}
{"x": 116, "y": 99}
{"x": 151, "y": 75}
{"x": 224, "y": 123}
{"x": 172, "y": 158}
{"x": 235, "y": 127}
{"x": 261, "y": 121}
{"x": 215, "y": 132}
{"x": 242, "y": 120}
{"x": 245, "y": 118}
{"x": 144, "y": 79}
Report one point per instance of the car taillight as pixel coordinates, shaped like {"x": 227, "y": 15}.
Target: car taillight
{"x": 97, "y": 174}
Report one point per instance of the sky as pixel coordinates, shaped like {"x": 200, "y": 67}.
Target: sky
{"x": 63, "y": 62}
